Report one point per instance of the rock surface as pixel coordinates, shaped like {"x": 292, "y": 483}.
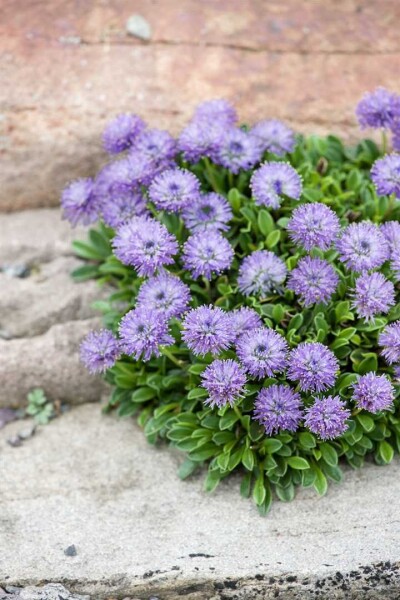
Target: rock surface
{"x": 139, "y": 532}
{"x": 307, "y": 63}
{"x": 52, "y": 591}
{"x": 46, "y": 310}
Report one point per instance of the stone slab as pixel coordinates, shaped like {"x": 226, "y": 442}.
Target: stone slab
{"x": 67, "y": 67}
{"x": 49, "y": 361}
{"x": 93, "y": 481}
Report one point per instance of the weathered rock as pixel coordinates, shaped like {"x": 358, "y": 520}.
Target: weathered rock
{"x": 30, "y": 306}
{"x": 272, "y": 59}
{"x": 35, "y": 236}
{"x": 52, "y": 591}
{"x": 141, "y": 532}
{"x": 49, "y": 361}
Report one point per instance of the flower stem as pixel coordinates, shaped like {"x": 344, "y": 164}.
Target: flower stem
{"x": 211, "y": 177}
{"x": 384, "y": 141}
{"x": 168, "y": 354}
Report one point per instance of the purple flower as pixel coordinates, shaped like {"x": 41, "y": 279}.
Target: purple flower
{"x": 79, "y": 203}
{"x": 200, "y": 139}
{"x": 207, "y": 254}
{"x": 327, "y": 417}
{"x": 377, "y": 108}
{"x": 123, "y": 175}
{"x": 146, "y": 244}
{"x": 239, "y": 150}
{"x": 397, "y": 373}
{"x": 314, "y": 366}
{"x": 373, "y": 294}
{"x": 373, "y": 392}
{"x": 118, "y": 208}
{"x": 278, "y": 407}
{"x": 389, "y": 339}
{"x": 208, "y": 211}
{"x": 395, "y": 127}
{"x": 216, "y": 110}
{"x": 165, "y": 294}
{"x": 224, "y": 380}
{"x": 314, "y": 280}
{"x": 362, "y": 247}
{"x": 262, "y": 352}
{"x": 395, "y": 265}
{"x": 157, "y": 146}
{"x": 391, "y": 233}
{"x": 313, "y": 226}
{"x": 260, "y": 273}
{"x": 272, "y": 180}
{"x": 172, "y": 190}
{"x": 243, "y": 320}
{"x": 99, "y": 350}
{"x": 207, "y": 329}
{"x": 121, "y": 132}
{"x": 142, "y": 332}
{"x": 385, "y": 173}
{"x": 274, "y": 136}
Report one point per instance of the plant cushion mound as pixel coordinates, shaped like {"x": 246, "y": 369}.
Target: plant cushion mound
{"x": 254, "y": 319}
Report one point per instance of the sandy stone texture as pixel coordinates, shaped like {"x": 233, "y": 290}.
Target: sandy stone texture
{"x": 67, "y": 67}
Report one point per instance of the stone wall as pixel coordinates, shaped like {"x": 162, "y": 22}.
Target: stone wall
{"x": 67, "y": 66}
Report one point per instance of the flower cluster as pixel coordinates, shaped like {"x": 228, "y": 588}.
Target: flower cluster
{"x": 256, "y": 296}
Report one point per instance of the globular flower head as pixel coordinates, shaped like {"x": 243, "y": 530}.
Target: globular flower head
{"x": 314, "y": 280}
{"x": 362, "y": 247}
{"x": 313, "y": 366}
{"x": 389, "y": 340}
{"x": 166, "y": 294}
{"x": 274, "y": 136}
{"x": 243, "y": 320}
{"x": 385, "y": 174}
{"x": 273, "y": 180}
{"x": 313, "y": 226}
{"x": 121, "y": 132}
{"x": 199, "y": 139}
{"x": 120, "y": 207}
{"x": 142, "y": 332}
{"x": 79, "y": 202}
{"x": 373, "y": 392}
{"x": 262, "y": 352}
{"x": 207, "y": 254}
{"x": 157, "y": 146}
{"x": 224, "y": 380}
{"x": 377, "y": 108}
{"x": 239, "y": 150}
{"x": 99, "y": 350}
{"x": 123, "y": 175}
{"x": 278, "y": 407}
{"x": 219, "y": 110}
{"x": 207, "y": 329}
{"x": 145, "y": 244}
{"x": 207, "y": 211}
{"x": 391, "y": 233}
{"x": 397, "y": 373}
{"x": 260, "y": 273}
{"x": 174, "y": 189}
{"x": 395, "y": 265}
{"x": 373, "y": 295}
{"x": 327, "y": 417}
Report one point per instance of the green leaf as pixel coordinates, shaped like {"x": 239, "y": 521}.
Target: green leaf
{"x": 265, "y": 222}
{"x": 187, "y": 468}
{"x": 197, "y": 393}
{"x": 87, "y": 251}
{"x": 204, "y": 453}
{"x": 369, "y": 363}
{"x": 273, "y": 238}
{"x": 297, "y": 462}
{"x": 228, "y": 419}
{"x": 285, "y": 494}
{"x": 296, "y": 322}
{"x": 366, "y": 421}
{"x": 320, "y": 482}
{"x": 212, "y": 480}
{"x": 248, "y": 459}
{"x": 386, "y": 452}
{"x": 245, "y": 486}
{"x": 84, "y": 273}
{"x": 329, "y": 454}
{"x": 307, "y": 440}
{"x": 143, "y": 394}
{"x": 271, "y": 445}
{"x": 259, "y": 492}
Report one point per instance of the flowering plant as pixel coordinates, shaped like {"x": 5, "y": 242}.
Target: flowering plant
{"x": 254, "y": 314}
